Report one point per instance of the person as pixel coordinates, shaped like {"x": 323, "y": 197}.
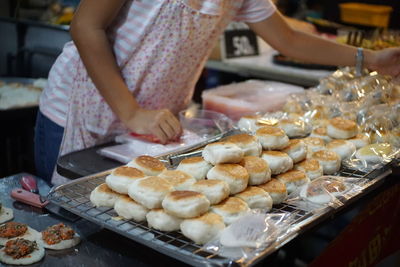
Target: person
{"x": 133, "y": 64}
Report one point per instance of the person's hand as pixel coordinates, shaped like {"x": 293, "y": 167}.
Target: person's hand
{"x": 160, "y": 123}
{"x": 386, "y": 62}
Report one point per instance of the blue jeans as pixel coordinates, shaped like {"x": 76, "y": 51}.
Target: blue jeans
{"x": 48, "y": 136}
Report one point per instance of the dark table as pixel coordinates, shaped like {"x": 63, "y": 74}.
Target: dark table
{"x": 99, "y": 247}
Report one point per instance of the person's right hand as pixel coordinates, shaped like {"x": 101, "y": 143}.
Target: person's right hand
{"x": 160, "y": 123}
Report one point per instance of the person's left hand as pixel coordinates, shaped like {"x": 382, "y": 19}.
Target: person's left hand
{"x": 386, "y": 62}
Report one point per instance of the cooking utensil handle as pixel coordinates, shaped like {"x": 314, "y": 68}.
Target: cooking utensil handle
{"x": 28, "y": 198}
{"x": 29, "y": 183}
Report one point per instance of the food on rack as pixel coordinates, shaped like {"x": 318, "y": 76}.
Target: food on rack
{"x": 311, "y": 167}
{"x": 296, "y": 149}
{"x": 294, "y": 127}
{"x": 256, "y": 198}
{"x": 329, "y": 160}
{"x": 293, "y": 179}
{"x": 179, "y": 179}
{"x": 340, "y": 128}
{"x": 6, "y": 214}
{"x": 214, "y": 190}
{"x": 375, "y": 153}
{"x": 149, "y": 165}
{"x": 129, "y": 209}
{"x": 276, "y": 190}
{"x": 163, "y": 221}
{"x": 185, "y": 204}
{"x": 204, "y": 228}
{"x": 234, "y": 175}
{"x": 249, "y": 123}
{"x": 103, "y": 196}
{"x": 257, "y": 168}
{"x": 21, "y": 251}
{"x": 231, "y": 209}
{"x": 323, "y": 190}
{"x": 343, "y": 148}
{"x": 313, "y": 144}
{"x": 222, "y": 152}
{"x": 12, "y": 230}
{"x": 60, "y": 236}
{"x": 122, "y": 177}
{"x": 322, "y": 133}
{"x": 195, "y": 166}
{"x": 150, "y": 191}
{"x": 272, "y": 138}
{"x": 248, "y": 143}
{"x": 278, "y": 162}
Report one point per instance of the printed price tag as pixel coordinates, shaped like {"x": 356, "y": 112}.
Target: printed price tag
{"x": 240, "y": 43}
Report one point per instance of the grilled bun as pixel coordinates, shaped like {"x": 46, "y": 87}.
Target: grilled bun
{"x": 149, "y": 165}
{"x": 272, "y": 138}
{"x": 103, "y": 196}
{"x": 129, "y": 209}
{"x": 248, "y": 143}
{"x": 233, "y": 174}
{"x": 195, "y": 166}
{"x": 231, "y": 209}
{"x": 296, "y": 149}
{"x": 342, "y": 147}
{"x": 159, "y": 219}
{"x": 122, "y": 177}
{"x": 222, "y": 152}
{"x": 214, "y": 190}
{"x": 278, "y": 162}
{"x": 329, "y": 160}
{"x": 185, "y": 204}
{"x": 257, "y": 168}
{"x": 179, "y": 179}
{"x": 276, "y": 189}
{"x": 340, "y": 128}
{"x": 256, "y": 198}
{"x": 293, "y": 179}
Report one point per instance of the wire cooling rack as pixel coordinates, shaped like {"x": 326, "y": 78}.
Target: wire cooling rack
{"x": 74, "y": 197}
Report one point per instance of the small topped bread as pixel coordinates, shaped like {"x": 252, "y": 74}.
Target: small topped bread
{"x": 150, "y": 191}
{"x": 257, "y": 169}
{"x": 59, "y": 236}
{"x": 13, "y": 230}
{"x": 272, "y": 138}
{"x": 278, "y": 162}
{"x": 231, "y": 209}
{"x": 214, "y": 190}
{"x": 234, "y": 175}
{"x": 296, "y": 149}
{"x": 185, "y": 204}
{"x": 179, "y": 179}
{"x": 21, "y": 251}
{"x": 149, "y": 165}
{"x": 222, "y": 152}
{"x": 276, "y": 189}
{"x": 203, "y": 228}
{"x": 256, "y": 198}
{"x": 103, "y": 196}
{"x": 340, "y": 128}
{"x": 121, "y": 178}
{"x": 293, "y": 179}
{"x": 195, "y": 166}
{"x": 248, "y": 143}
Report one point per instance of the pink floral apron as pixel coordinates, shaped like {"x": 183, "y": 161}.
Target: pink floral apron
{"x": 161, "y": 69}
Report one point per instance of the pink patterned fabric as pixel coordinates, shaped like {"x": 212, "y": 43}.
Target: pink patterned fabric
{"x": 160, "y": 65}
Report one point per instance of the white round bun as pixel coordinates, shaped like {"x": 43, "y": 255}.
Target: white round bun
{"x": 340, "y": 128}
{"x": 129, "y": 209}
{"x": 276, "y": 190}
{"x": 122, "y": 177}
{"x": 30, "y": 234}
{"x": 321, "y": 132}
{"x": 248, "y": 123}
{"x": 195, "y": 166}
{"x": 231, "y": 209}
{"x": 294, "y": 127}
{"x": 296, "y": 149}
{"x": 313, "y": 144}
{"x": 293, "y": 179}
{"x": 360, "y": 140}
{"x": 179, "y": 179}
{"x": 248, "y": 143}
{"x": 103, "y": 196}
{"x": 149, "y": 165}
{"x": 256, "y": 198}
{"x": 329, "y": 160}
{"x": 163, "y": 221}
{"x": 36, "y": 256}
{"x": 278, "y": 162}
{"x": 343, "y": 148}
{"x": 6, "y": 214}
{"x": 185, "y": 204}
{"x": 150, "y": 191}
{"x": 375, "y": 153}
{"x": 272, "y": 138}
{"x": 222, "y": 152}
{"x": 204, "y": 228}
{"x": 234, "y": 175}
{"x": 311, "y": 167}
{"x": 214, "y": 190}
{"x": 257, "y": 168}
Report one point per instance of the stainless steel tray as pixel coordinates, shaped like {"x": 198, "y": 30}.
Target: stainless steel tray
{"x": 74, "y": 197}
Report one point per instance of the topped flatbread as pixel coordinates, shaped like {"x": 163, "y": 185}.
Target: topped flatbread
{"x": 20, "y": 251}
{"x": 59, "y": 236}
{"x": 12, "y": 230}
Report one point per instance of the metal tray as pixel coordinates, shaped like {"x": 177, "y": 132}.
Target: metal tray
{"x": 74, "y": 197}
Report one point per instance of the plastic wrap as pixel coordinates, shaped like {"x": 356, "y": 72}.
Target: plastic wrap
{"x": 251, "y": 234}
